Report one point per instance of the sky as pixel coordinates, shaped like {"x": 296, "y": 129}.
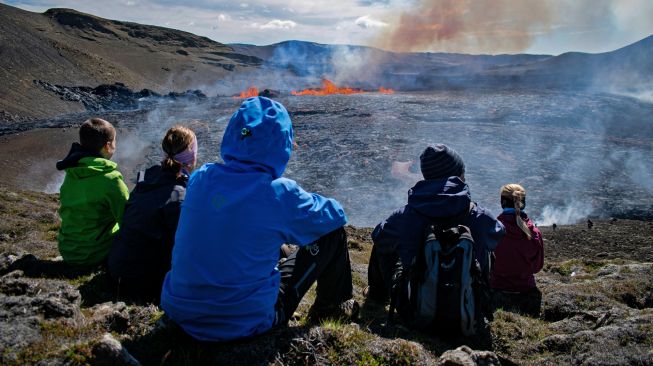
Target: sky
{"x": 466, "y": 26}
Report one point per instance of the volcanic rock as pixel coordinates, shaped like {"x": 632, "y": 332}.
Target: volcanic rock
{"x": 109, "y": 352}
{"x": 465, "y": 356}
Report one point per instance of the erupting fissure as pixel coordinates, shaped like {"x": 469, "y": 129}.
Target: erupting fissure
{"x": 328, "y": 87}
{"x": 252, "y": 91}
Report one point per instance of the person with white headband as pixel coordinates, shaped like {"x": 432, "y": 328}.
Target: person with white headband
{"x": 140, "y": 256}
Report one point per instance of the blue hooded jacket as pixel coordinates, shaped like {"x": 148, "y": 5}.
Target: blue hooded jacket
{"x": 224, "y": 283}
{"x": 430, "y": 200}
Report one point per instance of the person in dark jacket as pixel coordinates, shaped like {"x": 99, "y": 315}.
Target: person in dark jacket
{"x": 442, "y": 195}
{"x": 141, "y": 253}
{"x": 518, "y": 256}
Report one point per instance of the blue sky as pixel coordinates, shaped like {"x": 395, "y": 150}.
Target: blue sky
{"x": 469, "y": 26}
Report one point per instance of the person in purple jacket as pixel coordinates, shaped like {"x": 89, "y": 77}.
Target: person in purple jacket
{"x": 519, "y": 255}
{"x": 443, "y": 194}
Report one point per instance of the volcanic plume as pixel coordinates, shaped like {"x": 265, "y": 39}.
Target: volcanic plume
{"x": 468, "y": 26}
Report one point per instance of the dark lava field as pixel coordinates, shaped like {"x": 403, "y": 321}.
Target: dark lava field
{"x": 578, "y": 155}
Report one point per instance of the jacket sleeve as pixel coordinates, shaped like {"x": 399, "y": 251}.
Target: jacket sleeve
{"x": 118, "y": 194}
{"x": 387, "y": 234}
{"x": 487, "y": 229}
{"x": 309, "y": 216}
{"x": 537, "y": 261}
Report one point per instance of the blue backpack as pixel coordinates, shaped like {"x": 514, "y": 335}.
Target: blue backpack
{"x": 437, "y": 292}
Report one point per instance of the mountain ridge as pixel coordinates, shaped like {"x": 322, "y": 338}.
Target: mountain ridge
{"x": 70, "y": 48}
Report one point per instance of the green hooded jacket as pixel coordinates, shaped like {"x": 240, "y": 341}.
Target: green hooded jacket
{"x": 93, "y": 196}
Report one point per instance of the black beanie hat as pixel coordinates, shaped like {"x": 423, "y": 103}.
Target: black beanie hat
{"x": 440, "y": 161}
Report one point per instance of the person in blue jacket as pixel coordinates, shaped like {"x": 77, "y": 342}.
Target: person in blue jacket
{"x": 442, "y": 195}
{"x": 226, "y": 281}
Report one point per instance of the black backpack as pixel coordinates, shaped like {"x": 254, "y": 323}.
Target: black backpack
{"x": 439, "y": 292}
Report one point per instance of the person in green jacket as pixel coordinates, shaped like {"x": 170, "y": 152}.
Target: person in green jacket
{"x": 93, "y": 196}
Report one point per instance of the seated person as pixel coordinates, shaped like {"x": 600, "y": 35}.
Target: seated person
{"x": 140, "y": 256}
{"x": 226, "y": 281}
{"x": 519, "y": 255}
{"x": 93, "y": 196}
{"x": 442, "y": 195}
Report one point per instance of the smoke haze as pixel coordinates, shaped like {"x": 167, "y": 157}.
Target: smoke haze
{"x": 506, "y": 26}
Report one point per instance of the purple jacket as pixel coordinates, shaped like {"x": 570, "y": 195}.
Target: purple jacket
{"x": 429, "y": 200}
{"x": 517, "y": 258}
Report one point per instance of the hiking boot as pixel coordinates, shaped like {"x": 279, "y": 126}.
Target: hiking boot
{"x": 346, "y": 310}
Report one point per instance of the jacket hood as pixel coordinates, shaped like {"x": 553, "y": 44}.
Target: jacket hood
{"x": 440, "y": 198}
{"x": 76, "y": 153}
{"x": 258, "y": 137}
{"x": 90, "y": 167}
{"x": 156, "y": 176}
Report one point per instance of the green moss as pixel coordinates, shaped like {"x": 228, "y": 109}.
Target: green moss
{"x": 155, "y": 316}
{"x": 79, "y": 354}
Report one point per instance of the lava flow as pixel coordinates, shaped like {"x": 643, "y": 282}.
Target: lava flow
{"x": 250, "y": 92}
{"x": 383, "y": 90}
{"x": 328, "y": 87}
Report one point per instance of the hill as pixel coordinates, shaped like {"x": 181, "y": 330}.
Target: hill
{"x": 66, "y": 47}
{"x": 626, "y": 68}
{"x": 63, "y": 48}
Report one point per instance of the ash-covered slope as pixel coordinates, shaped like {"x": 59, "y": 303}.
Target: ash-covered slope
{"x": 66, "y": 47}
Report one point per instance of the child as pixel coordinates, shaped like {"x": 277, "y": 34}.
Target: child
{"x": 92, "y": 195}
{"x": 519, "y": 255}
{"x": 140, "y": 256}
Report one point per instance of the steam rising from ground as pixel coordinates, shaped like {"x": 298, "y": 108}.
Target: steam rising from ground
{"x": 577, "y": 154}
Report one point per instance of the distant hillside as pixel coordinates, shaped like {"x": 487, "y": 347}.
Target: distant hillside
{"x": 66, "y": 47}
{"x": 369, "y": 67}
{"x": 628, "y": 67}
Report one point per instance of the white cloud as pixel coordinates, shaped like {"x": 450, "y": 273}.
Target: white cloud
{"x": 223, "y": 17}
{"x": 278, "y": 24}
{"x": 367, "y": 22}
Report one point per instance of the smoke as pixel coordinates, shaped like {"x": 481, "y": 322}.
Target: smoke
{"x": 468, "y": 26}
{"x": 53, "y": 185}
{"x": 572, "y": 213}
{"x": 508, "y": 26}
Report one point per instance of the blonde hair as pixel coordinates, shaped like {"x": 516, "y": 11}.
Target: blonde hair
{"x": 514, "y": 196}
{"x": 177, "y": 139}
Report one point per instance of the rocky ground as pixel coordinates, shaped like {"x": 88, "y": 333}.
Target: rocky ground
{"x": 597, "y": 308}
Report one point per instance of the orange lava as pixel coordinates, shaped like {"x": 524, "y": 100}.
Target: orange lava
{"x": 328, "y": 87}
{"x": 383, "y": 90}
{"x": 250, "y": 92}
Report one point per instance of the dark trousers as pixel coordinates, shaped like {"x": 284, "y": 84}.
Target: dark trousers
{"x": 528, "y": 303}
{"x": 325, "y": 261}
{"x": 381, "y": 271}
